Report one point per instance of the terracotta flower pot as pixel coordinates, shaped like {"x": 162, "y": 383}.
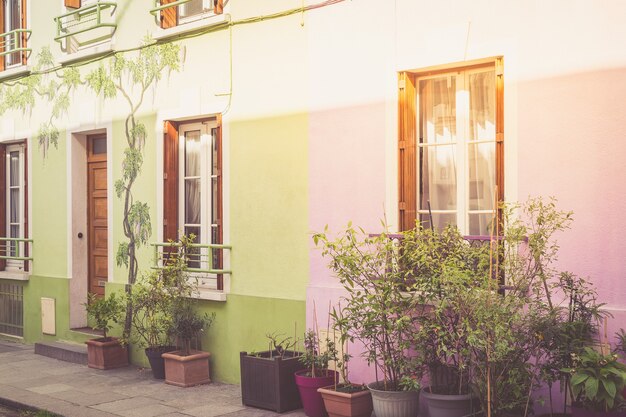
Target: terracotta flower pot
{"x": 346, "y": 404}
{"x": 186, "y": 371}
{"x": 106, "y": 353}
{"x": 311, "y": 399}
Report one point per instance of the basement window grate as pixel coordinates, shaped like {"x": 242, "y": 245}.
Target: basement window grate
{"x": 12, "y": 309}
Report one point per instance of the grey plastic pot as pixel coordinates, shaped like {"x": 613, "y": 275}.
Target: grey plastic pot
{"x": 394, "y": 403}
{"x": 442, "y": 405}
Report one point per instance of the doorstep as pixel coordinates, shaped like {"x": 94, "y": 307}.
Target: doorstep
{"x": 67, "y": 352}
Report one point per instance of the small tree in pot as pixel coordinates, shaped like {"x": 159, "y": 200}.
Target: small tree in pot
{"x": 105, "y": 352}
{"x": 380, "y": 313}
{"x": 187, "y": 367}
{"x": 153, "y": 298}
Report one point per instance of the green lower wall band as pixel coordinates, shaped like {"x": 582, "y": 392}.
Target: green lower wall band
{"x": 241, "y": 324}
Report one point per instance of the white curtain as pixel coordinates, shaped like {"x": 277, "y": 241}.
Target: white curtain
{"x": 192, "y": 178}
{"x": 481, "y": 156}
{"x": 438, "y": 163}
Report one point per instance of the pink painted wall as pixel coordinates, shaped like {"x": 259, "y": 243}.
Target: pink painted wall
{"x": 565, "y": 118}
{"x": 572, "y": 145}
{"x": 346, "y": 159}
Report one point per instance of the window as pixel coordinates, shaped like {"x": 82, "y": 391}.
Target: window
{"x": 193, "y": 189}
{"x": 13, "y": 222}
{"x": 188, "y": 11}
{"x": 450, "y": 147}
{"x": 12, "y": 20}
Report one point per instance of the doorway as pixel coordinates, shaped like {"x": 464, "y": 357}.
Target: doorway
{"x": 97, "y": 225}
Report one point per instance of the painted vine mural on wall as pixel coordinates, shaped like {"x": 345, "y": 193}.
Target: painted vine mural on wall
{"x": 129, "y": 77}
{"x": 51, "y": 84}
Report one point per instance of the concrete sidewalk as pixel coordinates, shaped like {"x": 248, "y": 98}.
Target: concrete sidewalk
{"x": 77, "y": 391}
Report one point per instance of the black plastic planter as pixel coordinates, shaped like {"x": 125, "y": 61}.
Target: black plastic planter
{"x": 156, "y": 361}
{"x": 267, "y": 381}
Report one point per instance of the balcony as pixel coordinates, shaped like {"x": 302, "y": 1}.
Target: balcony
{"x": 204, "y": 263}
{"x": 13, "y": 48}
{"x": 179, "y": 17}
{"x": 85, "y": 27}
{"x": 15, "y": 258}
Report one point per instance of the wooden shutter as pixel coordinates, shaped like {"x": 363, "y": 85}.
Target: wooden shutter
{"x": 407, "y": 166}
{"x": 3, "y": 204}
{"x": 26, "y": 235}
{"x": 500, "y": 128}
{"x": 2, "y": 31}
{"x": 219, "y": 203}
{"x": 169, "y": 16}
{"x": 72, "y": 4}
{"x": 218, "y": 6}
{"x": 23, "y": 34}
{"x": 170, "y": 182}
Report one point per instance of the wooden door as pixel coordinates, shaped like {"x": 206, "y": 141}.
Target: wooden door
{"x": 97, "y": 227}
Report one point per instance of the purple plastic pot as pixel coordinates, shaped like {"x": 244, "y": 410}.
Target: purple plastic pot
{"x": 312, "y": 401}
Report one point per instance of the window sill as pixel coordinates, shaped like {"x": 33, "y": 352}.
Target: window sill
{"x": 87, "y": 53}
{"x": 15, "y": 275}
{"x": 185, "y": 28}
{"x": 210, "y": 295}
{"x": 15, "y": 72}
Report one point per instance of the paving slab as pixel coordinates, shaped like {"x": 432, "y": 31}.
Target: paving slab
{"x": 72, "y": 390}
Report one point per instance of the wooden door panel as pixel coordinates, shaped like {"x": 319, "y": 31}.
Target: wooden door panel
{"x": 100, "y": 237}
{"x": 100, "y": 179}
{"x": 99, "y": 209}
{"x": 97, "y": 223}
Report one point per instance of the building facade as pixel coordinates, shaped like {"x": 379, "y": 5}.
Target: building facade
{"x": 268, "y": 120}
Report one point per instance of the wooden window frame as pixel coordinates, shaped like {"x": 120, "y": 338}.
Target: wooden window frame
{"x": 172, "y": 189}
{"x": 407, "y": 133}
{"x": 24, "y": 36}
{"x": 24, "y": 199}
{"x": 170, "y": 18}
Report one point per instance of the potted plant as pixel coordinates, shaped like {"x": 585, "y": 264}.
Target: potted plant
{"x": 597, "y": 382}
{"x": 316, "y": 374}
{"x": 186, "y": 367}
{"x": 443, "y": 268}
{"x": 267, "y": 377}
{"x": 153, "y": 298}
{"x": 151, "y": 320}
{"x": 380, "y": 313}
{"x": 345, "y": 399}
{"x": 106, "y": 352}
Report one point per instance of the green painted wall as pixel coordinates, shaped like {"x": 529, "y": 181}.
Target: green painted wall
{"x": 58, "y": 289}
{"x": 48, "y": 228}
{"x": 269, "y": 206}
{"x": 241, "y": 324}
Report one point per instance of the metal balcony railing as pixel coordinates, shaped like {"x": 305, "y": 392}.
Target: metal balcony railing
{"x": 201, "y": 259}
{"x": 158, "y": 8}
{"x": 16, "y": 249}
{"x": 86, "y": 19}
{"x": 14, "y": 41}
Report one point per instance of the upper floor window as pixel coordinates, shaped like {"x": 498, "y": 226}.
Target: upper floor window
{"x": 451, "y": 168}
{"x": 14, "y": 34}
{"x": 186, "y": 11}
